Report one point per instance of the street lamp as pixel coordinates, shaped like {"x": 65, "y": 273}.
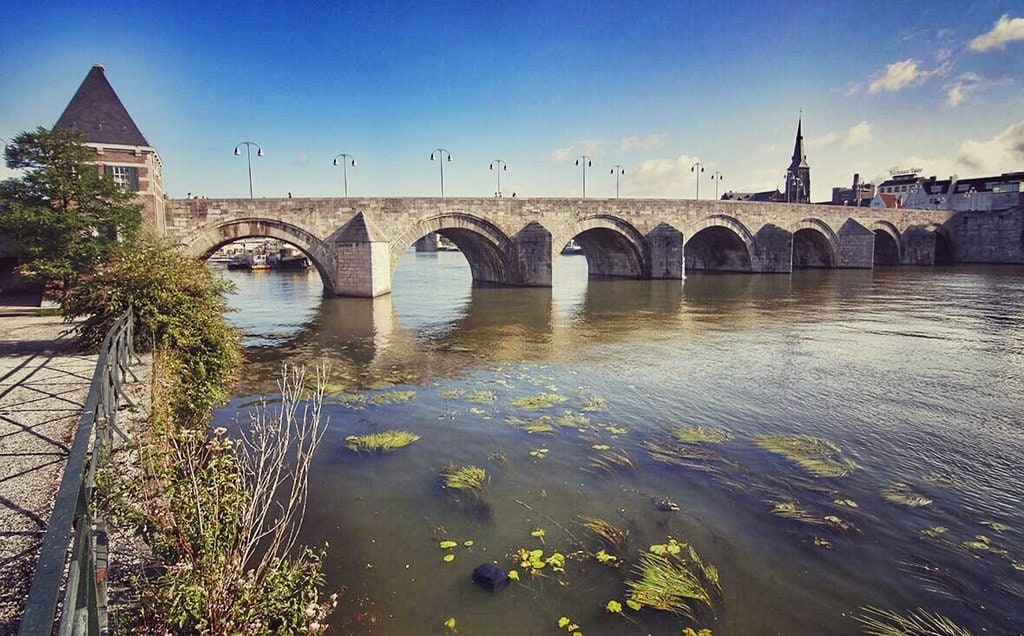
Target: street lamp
{"x": 617, "y": 170}
{"x": 693, "y": 168}
{"x": 441, "y": 152}
{"x": 717, "y": 177}
{"x": 346, "y": 160}
{"x": 501, "y": 167}
{"x": 584, "y": 160}
{"x": 248, "y": 155}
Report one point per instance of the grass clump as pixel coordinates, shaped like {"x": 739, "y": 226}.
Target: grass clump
{"x": 700, "y": 435}
{"x": 382, "y": 442}
{"x": 813, "y": 454}
{"x": 465, "y": 478}
{"x": 900, "y": 493}
{"x": 482, "y": 397}
{"x": 673, "y": 578}
{"x": 538, "y": 401}
{"x": 392, "y": 397}
{"x": 917, "y": 622}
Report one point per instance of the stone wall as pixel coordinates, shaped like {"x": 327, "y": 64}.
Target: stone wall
{"x": 988, "y": 237}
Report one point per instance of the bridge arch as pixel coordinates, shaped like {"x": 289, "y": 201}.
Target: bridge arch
{"x": 720, "y": 243}
{"x": 943, "y": 244}
{"x": 489, "y": 252}
{"x": 210, "y": 238}
{"x": 888, "y": 246}
{"x": 613, "y": 247}
{"x": 815, "y": 245}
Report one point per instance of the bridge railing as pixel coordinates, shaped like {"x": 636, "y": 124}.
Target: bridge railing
{"x": 76, "y": 538}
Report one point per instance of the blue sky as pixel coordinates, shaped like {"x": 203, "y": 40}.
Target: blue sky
{"x": 652, "y": 86}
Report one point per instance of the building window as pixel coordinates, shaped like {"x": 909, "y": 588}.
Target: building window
{"x": 125, "y": 176}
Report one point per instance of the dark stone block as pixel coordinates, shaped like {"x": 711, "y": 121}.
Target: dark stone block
{"x": 490, "y": 577}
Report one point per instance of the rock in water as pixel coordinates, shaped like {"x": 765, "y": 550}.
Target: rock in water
{"x": 490, "y": 577}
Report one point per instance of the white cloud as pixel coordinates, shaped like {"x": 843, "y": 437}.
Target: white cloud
{"x": 642, "y": 143}
{"x": 589, "y": 147}
{"x": 900, "y": 75}
{"x": 962, "y": 86}
{"x": 665, "y": 178}
{"x": 1002, "y": 153}
{"x": 1006, "y": 30}
{"x": 858, "y": 135}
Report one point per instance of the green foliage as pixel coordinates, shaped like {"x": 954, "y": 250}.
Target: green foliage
{"x": 814, "y": 454}
{"x": 62, "y": 217}
{"x": 673, "y": 578}
{"x": 382, "y": 442}
{"x": 539, "y": 401}
{"x": 467, "y": 478}
{"x": 179, "y": 308}
{"x": 918, "y": 622}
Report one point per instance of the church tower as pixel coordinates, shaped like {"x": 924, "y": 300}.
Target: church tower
{"x": 798, "y": 175}
{"x": 121, "y": 150}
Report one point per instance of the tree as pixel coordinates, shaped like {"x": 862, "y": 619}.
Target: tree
{"x": 62, "y": 217}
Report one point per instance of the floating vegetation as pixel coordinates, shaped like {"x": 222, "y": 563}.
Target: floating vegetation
{"x": 846, "y": 503}
{"x": 816, "y": 455}
{"x": 949, "y": 481}
{"x": 481, "y": 397}
{"x": 673, "y": 578}
{"x": 593, "y": 404}
{"x": 615, "y": 431}
{"x": 351, "y": 400}
{"x": 700, "y": 435}
{"x": 610, "y": 536}
{"x": 382, "y": 442}
{"x": 934, "y": 533}
{"x": 392, "y": 397}
{"x": 691, "y": 457}
{"x": 498, "y": 458}
{"x": 477, "y": 411}
{"x": 995, "y": 525}
{"x": 568, "y": 625}
{"x": 465, "y": 478}
{"x": 539, "y": 453}
{"x": 535, "y": 561}
{"x": 452, "y": 394}
{"x": 899, "y": 493}
{"x": 538, "y": 401}
{"x": 936, "y": 579}
{"x": 609, "y": 460}
{"x": 534, "y": 427}
{"x": 570, "y": 419}
{"x": 917, "y": 622}
{"x": 792, "y": 510}
{"x": 822, "y": 543}
{"x": 450, "y": 624}
{"x": 981, "y": 543}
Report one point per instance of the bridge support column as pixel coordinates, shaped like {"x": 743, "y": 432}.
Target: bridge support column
{"x": 362, "y": 269}
{"x": 427, "y": 244}
{"x": 774, "y": 250}
{"x": 665, "y": 247}
{"x": 533, "y": 257}
{"x": 856, "y": 246}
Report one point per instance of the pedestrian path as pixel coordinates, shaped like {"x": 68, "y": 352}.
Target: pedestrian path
{"x": 44, "y": 382}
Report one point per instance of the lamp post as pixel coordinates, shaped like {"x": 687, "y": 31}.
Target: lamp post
{"x": 717, "y": 177}
{"x": 584, "y": 160}
{"x": 248, "y": 155}
{"x": 693, "y": 168}
{"x": 346, "y": 160}
{"x": 441, "y": 153}
{"x": 501, "y": 167}
{"x": 617, "y": 170}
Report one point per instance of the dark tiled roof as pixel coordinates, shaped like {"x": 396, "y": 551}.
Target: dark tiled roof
{"x": 98, "y": 112}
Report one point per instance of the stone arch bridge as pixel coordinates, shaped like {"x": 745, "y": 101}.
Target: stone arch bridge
{"x": 356, "y": 243}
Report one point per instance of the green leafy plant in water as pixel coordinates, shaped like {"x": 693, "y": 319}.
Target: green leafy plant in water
{"x": 382, "y": 442}
{"x": 900, "y": 493}
{"x": 568, "y": 625}
{"x": 609, "y": 460}
{"x": 673, "y": 578}
{"x": 593, "y": 404}
{"x": 610, "y": 536}
{"x": 917, "y": 622}
{"x": 538, "y": 401}
{"x": 813, "y": 454}
{"x": 465, "y": 478}
{"x": 392, "y": 397}
{"x": 700, "y": 435}
{"x": 687, "y": 456}
{"x": 539, "y": 426}
{"x": 570, "y": 419}
{"x": 452, "y": 394}
{"x": 481, "y": 397}
{"x": 539, "y": 453}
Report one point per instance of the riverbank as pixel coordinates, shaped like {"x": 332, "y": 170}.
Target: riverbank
{"x": 44, "y": 382}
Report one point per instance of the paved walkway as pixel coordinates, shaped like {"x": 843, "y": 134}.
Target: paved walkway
{"x": 43, "y": 385}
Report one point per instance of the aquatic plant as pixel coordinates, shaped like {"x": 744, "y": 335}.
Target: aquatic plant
{"x": 568, "y": 625}
{"x": 538, "y": 401}
{"x": 609, "y": 460}
{"x": 382, "y": 442}
{"x": 392, "y": 397}
{"x": 452, "y": 394}
{"x": 466, "y": 478}
{"x": 674, "y": 580}
{"x": 611, "y": 536}
{"x": 917, "y": 622}
{"x": 481, "y": 397}
{"x": 592, "y": 404}
{"x": 570, "y": 419}
{"x": 691, "y": 457}
{"x": 816, "y": 455}
{"x": 539, "y": 426}
{"x": 899, "y": 493}
{"x": 700, "y": 435}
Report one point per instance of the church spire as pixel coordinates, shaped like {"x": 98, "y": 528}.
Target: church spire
{"x": 798, "y": 176}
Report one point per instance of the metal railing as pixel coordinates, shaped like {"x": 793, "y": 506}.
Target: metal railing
{"x": 75, "y": 528}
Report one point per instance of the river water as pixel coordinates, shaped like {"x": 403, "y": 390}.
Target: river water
{"x": 916, "y": 374}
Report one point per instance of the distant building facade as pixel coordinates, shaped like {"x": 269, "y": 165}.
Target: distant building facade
{"x": 121, "y": 149}
{"x": 860, "y": 195}
{"x": 908, "y": 190}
